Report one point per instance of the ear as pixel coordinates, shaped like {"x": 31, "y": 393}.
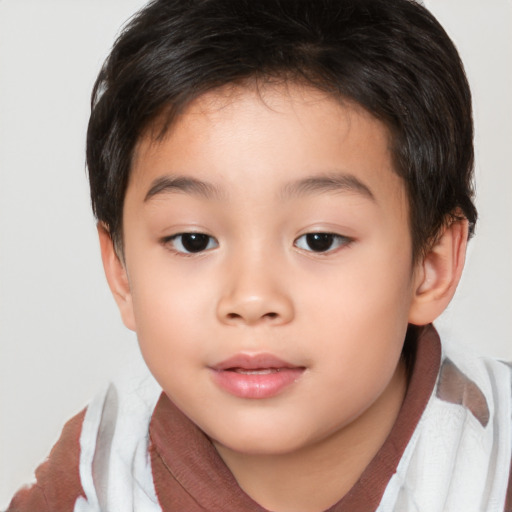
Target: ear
{"x": 438, "y": 274}
{"x": 117, "y": 277}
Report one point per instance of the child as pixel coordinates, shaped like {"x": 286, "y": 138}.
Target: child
{"x": 283, "y": 194}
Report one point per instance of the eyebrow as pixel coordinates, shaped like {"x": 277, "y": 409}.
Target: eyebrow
{"x": 334, "y": 182}
{"x": 166, "y": 184}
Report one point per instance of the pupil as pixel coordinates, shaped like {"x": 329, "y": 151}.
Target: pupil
{"x": 194, "y": 242}
{"x": 319, "y": 242}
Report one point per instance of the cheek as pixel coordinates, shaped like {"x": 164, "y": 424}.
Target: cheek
{"x": 364, "y": 291}
{"x": 359, "y": 314}
{"x": 170, "y": 312}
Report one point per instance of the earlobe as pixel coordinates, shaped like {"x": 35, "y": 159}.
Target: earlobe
{"x": 438, "y": 273}
{"x": 117, "y": 277}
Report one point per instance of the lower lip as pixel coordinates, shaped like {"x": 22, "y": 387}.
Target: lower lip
{"x": 256, "y": 385}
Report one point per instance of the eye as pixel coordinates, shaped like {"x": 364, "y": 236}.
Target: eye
{"x": 321, "y": 242}
{"x": 190, "y": 243}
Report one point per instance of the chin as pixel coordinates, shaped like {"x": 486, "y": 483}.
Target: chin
{"x": 262, "y": 443}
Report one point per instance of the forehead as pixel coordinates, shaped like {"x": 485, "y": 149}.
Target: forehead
{"x": 238, "y": 137}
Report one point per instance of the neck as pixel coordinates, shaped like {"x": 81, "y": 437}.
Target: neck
{"x": 315, "y": 477}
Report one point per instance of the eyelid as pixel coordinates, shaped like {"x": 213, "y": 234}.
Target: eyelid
{"x": 170, "y": 242}
{"x": 175, "y": 243}
{"x": 340, "y": 242}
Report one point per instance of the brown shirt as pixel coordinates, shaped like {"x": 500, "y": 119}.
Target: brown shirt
{"x": 190, "y": 476}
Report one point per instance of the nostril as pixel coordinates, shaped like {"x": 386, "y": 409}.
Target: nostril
{"x": 237, "y": 316}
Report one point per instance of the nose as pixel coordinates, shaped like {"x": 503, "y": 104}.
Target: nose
{"x": 255, "y": 295}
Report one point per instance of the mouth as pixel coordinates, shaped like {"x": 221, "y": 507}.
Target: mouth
{"x": 260, "y": 371}
{"x": 255, "y": 376}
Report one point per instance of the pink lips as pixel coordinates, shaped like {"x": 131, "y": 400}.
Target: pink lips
{"x": 255, "y": 376}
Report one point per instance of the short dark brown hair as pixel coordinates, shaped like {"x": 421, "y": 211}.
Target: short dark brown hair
{"x": 390, "y": 56}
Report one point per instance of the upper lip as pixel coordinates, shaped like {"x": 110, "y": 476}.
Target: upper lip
{"x": 253, "y": 362}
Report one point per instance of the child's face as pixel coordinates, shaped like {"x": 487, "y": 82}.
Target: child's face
{"x": 268, "y": 337}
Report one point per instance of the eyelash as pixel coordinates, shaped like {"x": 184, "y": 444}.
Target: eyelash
{"x": 326, "y": 240}
{"x": 177, "y": 242}
{"x": 203, "y": 242}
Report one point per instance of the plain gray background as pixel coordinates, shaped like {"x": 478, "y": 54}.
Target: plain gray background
{"x": 61, "y": 337}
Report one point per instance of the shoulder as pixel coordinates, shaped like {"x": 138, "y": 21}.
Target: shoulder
{"x": 101, "y": 450}
{"x": 58, "y": 483}
{"x": 466, "y": 431}
{"x": 481, "y": 385}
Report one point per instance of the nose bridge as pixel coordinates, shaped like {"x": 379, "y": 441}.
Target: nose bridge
{"x": 255, "y": 289}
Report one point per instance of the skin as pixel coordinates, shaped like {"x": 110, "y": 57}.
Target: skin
{"x": 277, "y": 164}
